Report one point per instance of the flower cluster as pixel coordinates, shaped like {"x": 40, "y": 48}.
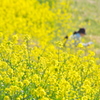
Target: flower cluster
{"x": 32, "y": 65}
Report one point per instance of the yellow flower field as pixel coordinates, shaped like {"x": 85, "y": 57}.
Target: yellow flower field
{"x": 33, "y": 63}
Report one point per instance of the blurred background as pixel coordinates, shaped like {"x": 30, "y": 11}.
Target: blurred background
{"x": 90, "y": 14}
{"x": 50, "y": 20}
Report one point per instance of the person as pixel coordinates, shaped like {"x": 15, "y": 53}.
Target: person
{"x": 75, "y": 39}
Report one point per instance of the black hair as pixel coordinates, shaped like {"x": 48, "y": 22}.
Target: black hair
{"x": 81, "y": 30}
{"x": 66, "y": 37}
{"x": 75, "y": 32}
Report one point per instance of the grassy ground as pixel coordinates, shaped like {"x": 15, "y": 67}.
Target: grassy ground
{"x": 88, "y": 12}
